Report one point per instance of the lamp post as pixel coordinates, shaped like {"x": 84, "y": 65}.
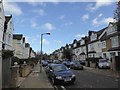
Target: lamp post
{"x": 41, "y": 50}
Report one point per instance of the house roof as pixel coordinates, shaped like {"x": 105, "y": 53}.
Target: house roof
{"x": 82, "y": 53}
{"x": 7, "y": 18}
{"x": 105, "y": 36}
{"x": 98, "y": 34}
{"x": 17, "y": 36}
{"x": 27, "y": 45}
{"x": 101, "y": 31}
{"x": 92, "y": 52}
{"x": 23, "y": 39}
{"x": 114, "y": 49}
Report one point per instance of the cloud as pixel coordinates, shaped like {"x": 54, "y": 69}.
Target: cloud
{"x": 45, "y": 42}
{"x": 85, "y": 17}
{"x": 58, "y": 42}
{"x": 33, "y": 24}
{"x": 48, "y": 26}
{"x": 41, "y": 12}
{"x": 12, "y": 8}
{"x": 68, "y": 23}
{"x": 57, "y": 0}
{"x": 43, "y": 4}
{"x": 103, "y": 21}
{"x": 98, "y": 4}
{"x": 78, "y": 36}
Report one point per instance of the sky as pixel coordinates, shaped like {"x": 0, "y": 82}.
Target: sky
{"x": 65, "y": 21}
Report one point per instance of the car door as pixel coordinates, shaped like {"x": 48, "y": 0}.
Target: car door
{"x": 50, "y": 72}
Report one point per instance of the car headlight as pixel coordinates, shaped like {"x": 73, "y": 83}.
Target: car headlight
{"x": 73, "y": 75}
{"x": 108, "y": 64}
{"x": 59, "y": 77}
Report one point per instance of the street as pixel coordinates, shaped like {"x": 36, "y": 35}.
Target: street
{"x": 91, "y": 79}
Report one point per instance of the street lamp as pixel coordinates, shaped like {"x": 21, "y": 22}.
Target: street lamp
{"x": 41, "y": 50}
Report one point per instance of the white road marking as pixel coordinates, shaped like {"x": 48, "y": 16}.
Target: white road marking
{"x": 56, "y": 87}
{"x": 63, "y": 87}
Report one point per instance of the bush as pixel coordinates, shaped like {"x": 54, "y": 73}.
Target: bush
{"x": 15, "y": 59}
{"x": 7, "y": 54}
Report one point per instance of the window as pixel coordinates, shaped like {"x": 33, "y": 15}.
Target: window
{"x": 91, "y": 47}
{"x": 111, "y": 30}
{"x": 93, "y": 37}
{"x": 77, "y": 50}
{"x": 75, "y": 45}
{"x": 9, "y": 38}
{"x": 104, "y": 44}
{"x": 114, "y": 41}
{"x": 82, "y": 42}
{"x": 104, "y": 55}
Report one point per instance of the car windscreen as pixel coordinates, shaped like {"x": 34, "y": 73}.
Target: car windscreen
{"x": 102, "y": 61}
{"x": 58, "y": 68}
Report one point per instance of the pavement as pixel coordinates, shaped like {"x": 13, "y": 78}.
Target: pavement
{"x": 36, "y": 79}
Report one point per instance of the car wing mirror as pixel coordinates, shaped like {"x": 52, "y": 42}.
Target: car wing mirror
{"x": 51, "y": 70}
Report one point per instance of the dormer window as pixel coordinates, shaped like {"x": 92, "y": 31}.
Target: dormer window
{"x": 93, "y": 37}
{"x": 82, "y": 42}
{"x": 69, "y": 47}
{"x": 75, "y": 45}
{"x": 111, "y": 29}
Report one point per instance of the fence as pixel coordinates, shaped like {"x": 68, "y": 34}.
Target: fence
{"x": 6, "y": 73}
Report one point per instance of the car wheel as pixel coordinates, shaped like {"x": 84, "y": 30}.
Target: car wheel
{"x": 72, "y": 83}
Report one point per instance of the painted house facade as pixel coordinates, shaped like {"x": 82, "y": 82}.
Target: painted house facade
{"x": 111, "y": 41}
{"x": 74, "y": 54}
{"x": 94, "y": 44}
{"x": 32, "y": 54}
{"x": 18, "y": 45}
{"x": 8, "y": 34}
{"x": 2, "y": 20}
{"x": 27, "y": 50}
{"x": 83, "y": 48}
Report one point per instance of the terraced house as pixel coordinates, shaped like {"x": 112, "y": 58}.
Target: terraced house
{"x": 18, "y": 45}
{"x": 111, "y": 41}
{"x": 7, "y": 46}
{"x": 8, "y": 34}
{"x": 94, "y": 44}
{"x": 2, "y": 20}
{"x": 104, "y": 43}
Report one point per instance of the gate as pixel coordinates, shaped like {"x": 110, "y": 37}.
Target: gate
{"x": 117, "y": 62}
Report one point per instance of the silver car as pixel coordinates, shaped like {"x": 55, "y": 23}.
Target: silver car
{"x": 103, "y": 63}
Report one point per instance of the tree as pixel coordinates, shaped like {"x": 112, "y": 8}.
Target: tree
{"x": 117, "y": 15}
{"x": 67, "y": 54}
{"x": 45, "y": 56}
{"x": 117, "y": 12}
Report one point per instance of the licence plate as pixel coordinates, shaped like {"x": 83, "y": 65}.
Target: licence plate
{"x": 67, "y": 79}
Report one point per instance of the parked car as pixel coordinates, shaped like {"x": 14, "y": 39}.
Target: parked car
{"x": 76, "y": 65}
{"x": 103, "y": 63}
{"x": 59, "y": 74}
{"x": 66, "y": 63}
{"x": 57, "y": 61}
{"x": 82, "y": 62}
{"x": 44, "y": 63}
{"x": 49, "y": 61}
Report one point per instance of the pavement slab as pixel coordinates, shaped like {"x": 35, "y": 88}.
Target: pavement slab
{"x": 37, "y": 79}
